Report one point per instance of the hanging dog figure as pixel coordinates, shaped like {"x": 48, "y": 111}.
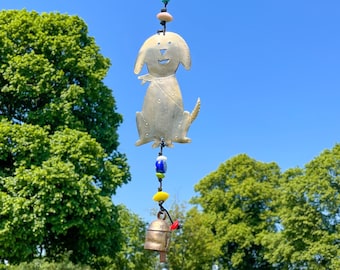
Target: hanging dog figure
{"x": 162, "y": 117}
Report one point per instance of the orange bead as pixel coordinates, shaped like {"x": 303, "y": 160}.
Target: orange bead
{"x": 164, "y": 16}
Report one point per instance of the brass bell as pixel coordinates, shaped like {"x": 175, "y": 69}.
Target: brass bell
{"x": 158, "y": 236}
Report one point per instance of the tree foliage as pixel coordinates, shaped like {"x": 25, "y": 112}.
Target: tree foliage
{"x": 250, "y": 215}
{"x": 193, "y": 246}
{"x": 43, "y": 264}
{"x": 238, "y": 198}
{"x": 51, "y": 74}
{"x": 309, "y": 216}
{"x": 132, "y": 255}
{"x": 59, "y": 164}
{"x": 49, "y": 202}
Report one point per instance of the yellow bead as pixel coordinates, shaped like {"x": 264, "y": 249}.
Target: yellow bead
{"x": 160, "y": 196}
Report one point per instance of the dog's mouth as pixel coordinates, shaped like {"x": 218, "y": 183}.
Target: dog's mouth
{"x": 164, "y": 61}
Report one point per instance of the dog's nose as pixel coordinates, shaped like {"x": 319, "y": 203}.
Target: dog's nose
{"x": 163, "y": 51}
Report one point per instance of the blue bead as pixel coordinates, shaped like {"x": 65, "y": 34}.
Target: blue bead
{"x": 161, "y": 165}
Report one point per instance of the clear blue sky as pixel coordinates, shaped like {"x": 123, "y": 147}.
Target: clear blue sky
{"x": 267, "y": 73}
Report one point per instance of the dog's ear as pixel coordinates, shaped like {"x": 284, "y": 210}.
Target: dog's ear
{"x": 185, "y": 58}
{"x": 142, "y": 53}
{"x": 139, "y": 61}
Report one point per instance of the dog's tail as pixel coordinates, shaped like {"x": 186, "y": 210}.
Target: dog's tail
{"x": 195, "y": 111}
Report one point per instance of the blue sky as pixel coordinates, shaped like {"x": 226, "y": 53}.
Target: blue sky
{"x": 267, "y": 73}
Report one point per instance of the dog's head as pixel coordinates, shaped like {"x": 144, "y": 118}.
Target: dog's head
{"x": 162, "y": 54}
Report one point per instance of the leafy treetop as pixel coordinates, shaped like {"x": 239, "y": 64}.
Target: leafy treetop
{"x": 51, "y": 74}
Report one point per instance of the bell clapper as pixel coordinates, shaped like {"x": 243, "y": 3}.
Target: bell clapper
{"x": 162, "y": 256}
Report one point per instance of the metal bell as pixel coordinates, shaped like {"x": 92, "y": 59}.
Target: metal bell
{"x": 158, "y": 236}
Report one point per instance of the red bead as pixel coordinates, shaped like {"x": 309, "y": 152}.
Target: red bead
{"x": 175, "y": 226}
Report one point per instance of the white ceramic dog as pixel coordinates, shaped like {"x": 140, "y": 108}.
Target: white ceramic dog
{"x": 163, "y": 117}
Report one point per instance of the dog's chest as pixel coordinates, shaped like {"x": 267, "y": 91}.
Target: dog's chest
{"x": 164, "y": 92}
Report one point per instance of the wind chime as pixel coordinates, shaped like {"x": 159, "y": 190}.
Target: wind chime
{"x": 163, "y": 119}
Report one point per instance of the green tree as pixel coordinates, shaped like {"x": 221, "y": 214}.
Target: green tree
{"x": 50, "y": 203}
{"x": 51, "y": 74}
{"x": 236, "y": 202}
{"x": 309, "y": 216}
{"x": 193, "y": 246}
{"x": 132, "y": 255}
{"x": 59, "y": 164}
{"x": 43, "y": 264}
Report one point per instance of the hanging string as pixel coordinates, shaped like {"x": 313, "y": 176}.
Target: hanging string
{"x": 165, "y": 2}
{"x": 164, "y": 16}
{"x": 161, "y": 146}
{"x": 160, "y": 196}
{"x": 161, "y": 164}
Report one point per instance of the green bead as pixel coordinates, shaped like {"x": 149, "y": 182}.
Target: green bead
{"x": 160, "y": 175}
